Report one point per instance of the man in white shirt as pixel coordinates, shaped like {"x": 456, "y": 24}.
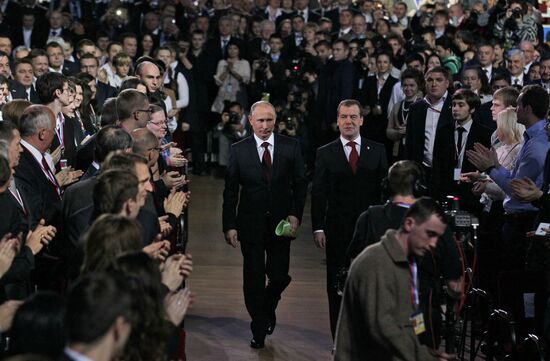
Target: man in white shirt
{"x": 486, "y": 53}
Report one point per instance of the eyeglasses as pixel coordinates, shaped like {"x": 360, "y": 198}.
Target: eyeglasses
{"x": 158, "y": 124}
{"x": 150, "y": 111}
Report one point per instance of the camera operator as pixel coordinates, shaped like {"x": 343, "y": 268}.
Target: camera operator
{"x": 515, "y": 25}
{"x": 404, "y": 184}
{"x": 232, "y": 128}
{"x": 380, "y": 318}
{"x": 268, "y": 73}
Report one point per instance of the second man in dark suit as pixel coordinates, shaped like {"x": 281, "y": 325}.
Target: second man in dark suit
{"x": 348, "y": 175}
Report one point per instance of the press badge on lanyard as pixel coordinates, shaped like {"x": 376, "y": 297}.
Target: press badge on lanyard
{"x": 417, "y": 318}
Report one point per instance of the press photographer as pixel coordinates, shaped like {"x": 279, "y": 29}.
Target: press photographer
{"x": 268, "y": 73}
{"x": 515, "y": 24}
{"x": 232, "y": 128}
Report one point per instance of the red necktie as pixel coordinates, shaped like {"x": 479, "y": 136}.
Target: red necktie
{"x": 266, "y": 162}
{"x": 51, "y": 176}
{"x": 353, "y": 157}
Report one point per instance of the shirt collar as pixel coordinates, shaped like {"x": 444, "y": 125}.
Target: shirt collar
{"x": 439, "y": 103}
{"x": 259, "y": 142}
{"x": 535, "y": 128}
{"x": 77, "y": 356}
{"x": 467, "y": 125}
{"x": 357, "y": 141}
{"x": 31, "y": 148}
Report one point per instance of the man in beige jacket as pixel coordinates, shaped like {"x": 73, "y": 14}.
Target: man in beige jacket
{"x": 380, "y": 318}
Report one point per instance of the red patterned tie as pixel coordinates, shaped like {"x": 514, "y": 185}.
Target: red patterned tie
{"x": 51, "y": 176}
{"x": 353, "y": 157}
{"x": 266, "y": 162}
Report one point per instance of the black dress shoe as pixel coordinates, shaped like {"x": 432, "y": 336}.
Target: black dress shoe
{"x": 271, "y": 326}
{"x": 257, "y": 344}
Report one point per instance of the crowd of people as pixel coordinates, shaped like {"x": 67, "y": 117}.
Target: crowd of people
{"x": 106, "y": 105}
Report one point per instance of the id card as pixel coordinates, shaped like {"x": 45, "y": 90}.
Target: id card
{"x": 457, "y": 172}
{"x": 417, "y": 320}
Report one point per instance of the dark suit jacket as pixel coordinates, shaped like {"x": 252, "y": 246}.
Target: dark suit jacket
{"x": 444, "y": 164}
{"x": 35, "y": 99}
{"x": 17, "y": 90}
{"x": 484, "y": 117}
{"x": 249, "y": 201}
{"x": 338, "y": 196}
{"x": 70, "y": 68}
{"x": 38, "y": 38}
{"x": 85, "y": 154}
{"x": 375, "y": 125}
{"x": 416, "y": 124}
{"x": 336, "y": 83}
{"x": 41, "y": 194}
{"x": 104, "y": 91}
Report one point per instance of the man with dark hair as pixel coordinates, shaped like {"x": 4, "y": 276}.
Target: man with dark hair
{"x": 90, "y": 65}
{"x": 16, "y": 90}
{"x": 116, "y": 192}
{"x": 348, "y": 174}
{"x": 53, "y": 91}
{"x": 132, "y": 109}
{"x": 426, "y": 118}
{"x": 39, "y": 59}
{"x": 57, "y": 62}
{"x": 99, "y": 317}
{"x": 380, "y": 319}
{"x": 532, "y": 110}
{"x": 464, "y": 133}
{"x": 129, "y": 44}
{"x": 336, "y": 82}
{"x": 24, "y": 75}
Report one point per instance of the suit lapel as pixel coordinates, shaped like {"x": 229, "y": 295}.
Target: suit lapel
{"x": 341, "y": 155}
{"x": 364, "y": 156}
{"x": 276, "y": 155}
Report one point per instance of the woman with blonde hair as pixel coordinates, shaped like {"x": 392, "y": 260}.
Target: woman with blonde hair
{"x": 510, "y": 135}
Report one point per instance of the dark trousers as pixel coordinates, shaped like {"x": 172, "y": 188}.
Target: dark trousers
{"x": 334, "y": 299}
{"x": 271, "y": 258}
{"x": 514, "y": 241}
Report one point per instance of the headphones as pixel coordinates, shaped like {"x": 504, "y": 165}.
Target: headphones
{"x": 420, "y": 187}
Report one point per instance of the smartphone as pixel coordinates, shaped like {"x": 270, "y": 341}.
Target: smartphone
{"x": 541, "y": 229}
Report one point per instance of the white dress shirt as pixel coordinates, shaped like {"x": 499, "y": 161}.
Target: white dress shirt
{"x": 27, "y": 33}
{"x": 76, "y": 356}
{"x": 347, "y": 148}
{"x": 519, "y": 79}
{"x": 261, "y": 150}
{"x": 432, "y": 118}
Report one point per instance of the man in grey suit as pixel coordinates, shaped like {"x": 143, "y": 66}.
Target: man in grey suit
{"x": 266, "y": 179}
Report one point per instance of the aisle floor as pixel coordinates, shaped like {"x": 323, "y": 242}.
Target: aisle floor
{"x": 218, "y": 325}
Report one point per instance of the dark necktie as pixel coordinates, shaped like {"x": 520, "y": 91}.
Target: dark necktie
{"x": 353, "y": 157}
{"x": 460, "y": 131}
{"x": 266, "y": 162}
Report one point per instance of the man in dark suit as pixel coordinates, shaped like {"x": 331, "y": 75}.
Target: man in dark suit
{"x": 89, "y": 64}
{"x": 35, "y": 172}
{"x": 305, "y": 12}
{"x": 336, "y": 82}
{"x": 347, "y": 180}
{"x": 17, "y": 91}
{"x": 29, "y": 35}
{"x": 215, "y": 50}
{"x": 376, "y": 95}
{"x": 57, "y": 61}
{"x": 99, "y": 310}
{"x": 459, "y": 137}
{"x": 427, "y": 117}
{"x": 266, "y": 179}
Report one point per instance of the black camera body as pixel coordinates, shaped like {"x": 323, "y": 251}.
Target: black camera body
{"x": 263, "y": 63}
{"x": 517, "y": 14}
{"x": 234, "y": 118}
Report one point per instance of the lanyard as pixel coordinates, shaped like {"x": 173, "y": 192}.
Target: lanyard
{"x": 414, "y": 283}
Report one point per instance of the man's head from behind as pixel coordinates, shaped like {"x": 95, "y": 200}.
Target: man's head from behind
{"x": 37, "y": 126}
{"x": 405, "y": 179}
{"x": 424, "y": 223}
{"x": 133, "y": 109}
{"x": 116, "y": 192}
{"x": 10, "y": 134}
{"x": 99, "y": 313}
{"x": 532, "y": 105}
{"x": 110, "y": 139}
{"x": 146, "y": 144}
{"x": 51, "y": 86}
